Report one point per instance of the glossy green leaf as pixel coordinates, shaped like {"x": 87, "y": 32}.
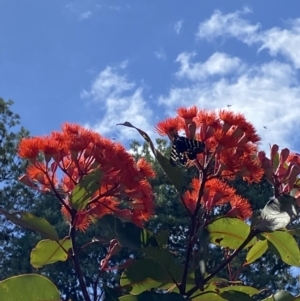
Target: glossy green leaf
{"x": 235, "y": 296}
{"x": 28, "y": 288}
{"x": 49, "y": 251}
{"x": 85, "y": 189}
{"x": 145, "y": 274}
{"x": 248, "y": 290}
{"x": 152, "y": 296}
{"x": 229, "y": 232}
{"x": 111, "y": 294}
{"x": 281, "y": 296}
{"x": 258, "y": 249}
{"x": 162, "y": 238}
{"x": 130, "y": 235}
{"x": 294, "y": 232}
{"x": 207, "y": 296}
{"x": 286, "y": 246}
{"x": 32, "y": 222}
{"x": 174, "y": 174}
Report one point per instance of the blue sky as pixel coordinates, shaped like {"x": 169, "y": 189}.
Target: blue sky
{"x": 99, "y": 63}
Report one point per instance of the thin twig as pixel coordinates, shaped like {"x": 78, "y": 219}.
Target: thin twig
{"x": 252, "y": 233}
{"x": 76, "y": 259}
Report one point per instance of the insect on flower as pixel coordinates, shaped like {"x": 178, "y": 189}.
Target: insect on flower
{"x": 184, "y": 149}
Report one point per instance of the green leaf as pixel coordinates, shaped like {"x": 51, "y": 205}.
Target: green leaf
{"x": 260, "y": 247}
{"x": 235, "y": 296}
{"x": 152, "y": 296}
{"x": 85, "y": 189}
{"x": 207, "y": 296}
{"x": 286, "y": 246}
{"x": 28, "y": 288}
{"x": 174, "y": 174}
{"x": 48, "y": 252}
{"x": 167, "y": 262}
{"x": 281, "y": 296}
{"x": 130, "y": 235}
{"x": 145, "y": 274}
{"x": 110, "y": 294}
{"x": 162, "y": 238}
{"x": 248, "y": 290}
{"x": 294, "y": 232}
{"x": 229, "y": 232}
{"x": 32, "y": 222}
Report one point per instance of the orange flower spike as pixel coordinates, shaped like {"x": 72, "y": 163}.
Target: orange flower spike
{"x": 250, "y": 169}
{"x": 208, "y": 123}
{"x": 188, "y": 114}
{"x": 145, "y": 168}
{"x": 191, "y": 130}
{"x": 224, "y": 140}
{"x": 250, "y": 131}
{"x": 168, "y": 127}
{"x": 189, "y": 200}
{"x": 229, "y": 118}
{"x": 243, "y": 206}
{"x": 49, "y": 147}
{"x": 82, "y": 221}
{"x": 26, "y": 180}
{"x": 36, "y": 172}
{"x": 29, "y": 148}
{"x": 77, "y": 137}
{"x": 195, "y": 184}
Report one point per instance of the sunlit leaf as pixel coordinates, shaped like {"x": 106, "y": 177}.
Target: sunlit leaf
{"x": 152, "y": 296}
{"x": 235, "y": 296}
{"x": 153, "y": 272}
{"x": 49, "y": 251}
{"x": 28, "y": 288}
{"x": 248, "y": 290}
{"x": 85, "y": 189}
{"x": 281, "y": 296}
{"x": 294, "y": 232}
{"x": 258, "y": 249}
{"x": 174, "y": 174}
{"x": 32, "y": 222}
{"x": 285, "y": 245}
{"x": 208, "y": 296}
{"x": 229, "y": 232}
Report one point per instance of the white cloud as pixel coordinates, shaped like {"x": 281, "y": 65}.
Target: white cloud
{"x": 120, "y": 101}
{"x": 283, "y": 41}
{"x": 228, "y": 25}
{"x": 276, "y": 40}
{"x": 217, "y": 64}
{"x": 108, "y": 83}
{"x": 178, "y": 26}
{"x": 85, "y": 15}
{"x": 267, "y": 94}
{"x": 160, "y": 54}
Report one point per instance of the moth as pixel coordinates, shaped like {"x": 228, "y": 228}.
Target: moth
{"x": 184, "y": 149}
